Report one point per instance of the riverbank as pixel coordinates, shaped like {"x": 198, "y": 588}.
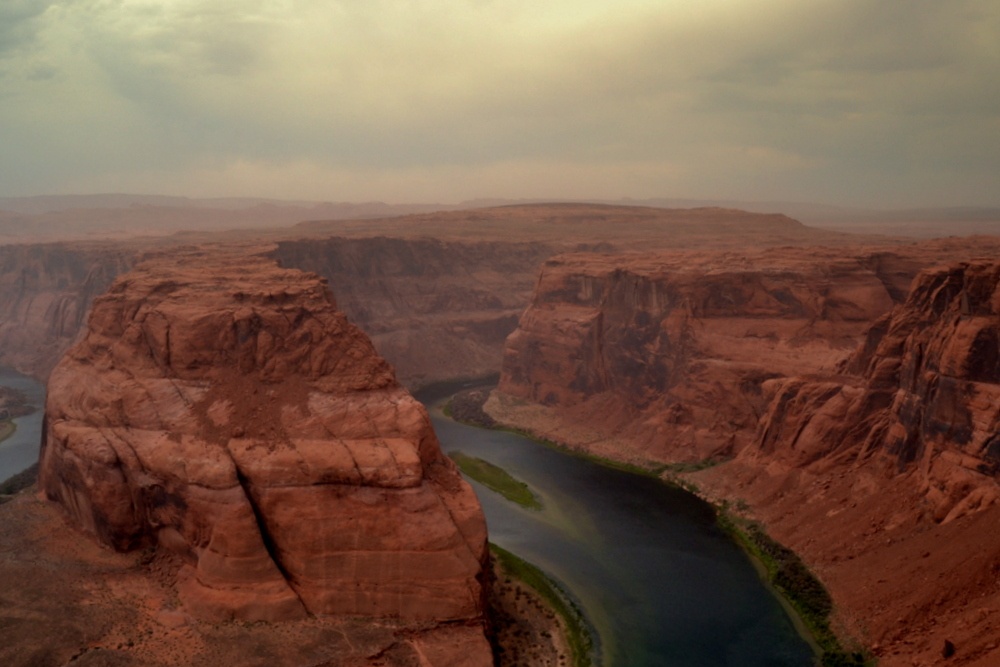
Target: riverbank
{"x": 7, "y": 429}
{"x": 22, "y": 400}
{"x": 15, "y": 484}
{"x": 534, "y": 625}
{"x": 801, "y": 594}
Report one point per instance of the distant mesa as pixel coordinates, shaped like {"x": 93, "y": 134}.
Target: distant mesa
{"x": 221, "y": 408}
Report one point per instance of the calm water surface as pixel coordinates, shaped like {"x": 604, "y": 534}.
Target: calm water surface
{"x": 20, "y": 450}
{"x": 662, "y": 585}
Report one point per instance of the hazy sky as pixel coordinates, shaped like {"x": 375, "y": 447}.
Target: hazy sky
{"x": 841, "y": 101}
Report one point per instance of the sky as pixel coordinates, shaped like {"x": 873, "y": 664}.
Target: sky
{"x": 844, "y": 102}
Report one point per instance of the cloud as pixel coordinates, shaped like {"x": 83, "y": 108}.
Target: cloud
{"x": 19, "y": 22}
{"x": 802, "y": 100}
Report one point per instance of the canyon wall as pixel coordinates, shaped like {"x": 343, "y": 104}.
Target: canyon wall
{"x": 45, "y": 294}
{"x": 662, "y": 356}
{"x": 884, "y": 474}
{"x": 220, "y": 408}
{"x": 852, "y": 413}
{"x": 437, "y": 310}
{"x": 922, "y": 392}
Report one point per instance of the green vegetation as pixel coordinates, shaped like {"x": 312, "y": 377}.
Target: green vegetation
{"x": 496, "y": 478}
{"x": 646, "y": 469}
{"x": 785, "y": 571}
{"x": 578, "y": 635}
{"x": 17, "y": 483}
{"x": 7, "y": 429}
{"x": 792, "y": 580}
{"x": 694, "y": 466}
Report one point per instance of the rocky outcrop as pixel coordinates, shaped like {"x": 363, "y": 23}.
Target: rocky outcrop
{"x": 663, "y": 355}
{"x": 922, "y": 392}
{"x": 221, "y": 408}
{"x": 883, "y": 475}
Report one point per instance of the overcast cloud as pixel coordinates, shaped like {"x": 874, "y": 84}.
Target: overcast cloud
{"x": 839, "y": 101}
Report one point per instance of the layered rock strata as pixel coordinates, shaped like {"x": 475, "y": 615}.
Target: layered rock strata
{"x": 858, "y": 418}
{"x": 45, "y": 294}
{"x": 662, "y": 356}
{"x": 922, "y": 392}
{"x": 884, "y": 475}
{"x": 221, "y": 408}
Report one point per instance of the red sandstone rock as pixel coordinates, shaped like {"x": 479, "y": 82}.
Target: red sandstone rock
{"x": 879, "y": 469}
{"x": 927, "y": 396}
{"x": 668, "y": 351}
{"x": 222, "y": 408}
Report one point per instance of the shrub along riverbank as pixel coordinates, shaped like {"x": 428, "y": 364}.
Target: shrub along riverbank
{"x": 790, "y": 577}
{"x": 578, "y": 636}
{"x": 496, "y": 478}
{"x": 785, "y": 572}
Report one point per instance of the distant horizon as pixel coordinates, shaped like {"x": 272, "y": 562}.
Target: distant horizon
{"x": 855, "y": 103}
{"x": 486, "y": 201}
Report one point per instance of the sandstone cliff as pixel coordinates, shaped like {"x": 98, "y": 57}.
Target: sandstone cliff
{"x": 921, "y": 393}
{"x": 45, "y": 294}
{"x": 884, "y": 475}
{"x": 857, "y": 418}
{"x": 221, "y": 408}
{"x": 662, "y": 356}
{"x": 436, "y": 310}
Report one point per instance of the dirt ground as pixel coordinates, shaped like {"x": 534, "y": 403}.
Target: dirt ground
{"x": 528, "y": 631}
{"x": 66, "y": 599}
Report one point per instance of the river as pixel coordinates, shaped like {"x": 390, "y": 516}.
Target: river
{"x": 20, "y": 450}
{"x": 662, "y": 585}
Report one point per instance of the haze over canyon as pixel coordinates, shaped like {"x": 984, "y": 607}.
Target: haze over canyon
{"x": 229, "y": 413}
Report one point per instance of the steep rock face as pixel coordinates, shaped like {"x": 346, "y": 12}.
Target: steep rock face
{"x": 435, "y": 309}
{"x": 668, "y": 351}
{"x": 221, "y": 408}
{"x": 883, "y": 476}
{"x": 923, "y": 392}
{"x": 45, "y": 293}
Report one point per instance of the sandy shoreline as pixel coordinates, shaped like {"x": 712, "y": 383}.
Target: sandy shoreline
{"x": 528, "y": 630}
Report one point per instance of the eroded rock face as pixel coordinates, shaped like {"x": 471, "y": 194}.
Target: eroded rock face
{"x": 222, "y": 408}
{"x": 45, "y": 294}
{"x": 668, "y": 351}
{"x": 922, "y": 391}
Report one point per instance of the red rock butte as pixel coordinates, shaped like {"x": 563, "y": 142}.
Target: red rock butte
{"x": 222, "y": 408}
